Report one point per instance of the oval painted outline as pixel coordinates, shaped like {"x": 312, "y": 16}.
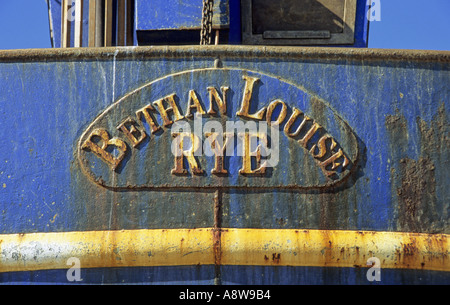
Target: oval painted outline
{"x": 329, "y": 185}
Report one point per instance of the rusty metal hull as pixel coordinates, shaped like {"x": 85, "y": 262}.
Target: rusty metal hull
{"x": 131, "y": 215}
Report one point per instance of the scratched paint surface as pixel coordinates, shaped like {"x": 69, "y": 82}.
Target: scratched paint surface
{"x": 162, "y": 15}
{"x": 398, "y": 110}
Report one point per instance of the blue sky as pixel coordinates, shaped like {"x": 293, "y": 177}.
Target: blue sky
{"x": 404, "y": 24}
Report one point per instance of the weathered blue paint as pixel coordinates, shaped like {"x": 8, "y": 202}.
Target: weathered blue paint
{"x": 232, "y": 275}
{"x": 55, "y": 13}
{"x": 396, "y": 103}
{"x": 361, "y": 25}
{"x": 174, "y": 14}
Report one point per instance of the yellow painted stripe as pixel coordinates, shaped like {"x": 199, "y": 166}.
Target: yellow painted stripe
{"x": 259, "y": 247}
{"x": 40, "y": 251}
{"x": 333, "y": 248}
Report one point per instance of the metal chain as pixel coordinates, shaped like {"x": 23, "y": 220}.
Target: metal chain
{"x": 207, "y": 18}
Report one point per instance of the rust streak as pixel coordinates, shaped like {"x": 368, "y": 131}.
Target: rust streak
{"x": 217, "y": 234}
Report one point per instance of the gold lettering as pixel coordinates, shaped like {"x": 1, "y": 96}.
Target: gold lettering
{"x": 189, "y": 154}
{"x": 134, "y": 132}
{"x": 295, "y": 114}
{"x": 219, "y": 151}
{"x": 334, "y": 164}
{"x": 245, "y": 105}
{"x": 193, "y": 102}
{"x": 148, "y": 117}
{"x": 220, "y": 102}
{"x": 247, "y": 154}
{"x": 281, "y": 115}
{"x": 105, "y": 142}
{"x": 170, "y": 100}
{"x": 309, "y": 134}
{"x": 321, "y": 146}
